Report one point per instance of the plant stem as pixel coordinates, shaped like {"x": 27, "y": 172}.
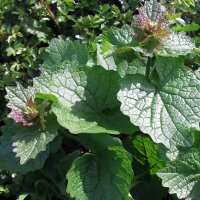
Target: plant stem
{"x": 150, "y": 64}
{"x": 50, "y": 13}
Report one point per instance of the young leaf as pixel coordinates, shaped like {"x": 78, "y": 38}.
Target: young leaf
{"x": 166, "y": 111}
{"x": 106, "y": 174}
{"x": 154, "y": 12}
{"x": 86, "y": 95}
{"x": 182, "y": 175}
{"x": 151, "y": 30}
{"x": 19, "y": 98}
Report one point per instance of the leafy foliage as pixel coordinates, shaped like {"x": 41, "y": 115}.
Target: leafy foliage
{"x": 182, "y": 175}
{"x": 105, "y": 173}
{"x": 156, "y": 103}
{"x": 99, "y": 100}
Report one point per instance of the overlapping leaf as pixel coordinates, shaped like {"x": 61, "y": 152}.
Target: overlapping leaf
{"x": 86, "y": 95}
{"x": 25, "y": 149}
{"x": 177, "y": 43}
{"x": 165, "y": 110}
{"x": 182, "y": 175}
{"x": 104, "y": 174}
{"x": 148, "y": 151}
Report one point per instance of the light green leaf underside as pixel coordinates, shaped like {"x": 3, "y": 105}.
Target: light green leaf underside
{"x": 86, "y": 96}
{"x": 182, "y": 176}
{"x": 168, "y": 110}
{"x": 107, "y": 174}
{"x": 25, "y": 149}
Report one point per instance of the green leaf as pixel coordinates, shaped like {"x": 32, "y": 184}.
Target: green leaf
{"x": 119, "y": 37}
{"x": 177, "y": 44}
{"x": 105, "y": 59}
{"x": 116, "y": 60}
{"x": 89, "y": 22}
{"x": 86, "y": 95}
{"x": 56, "y": 167}
{"x": 22, "y": 196}
{"x": 35, "y": 27}
{"x": 25, "y": 149}
{"x": 133, "y": 67}
{"x": 165, "y": 110}
{"x": 62, "y": 51}
{"x": 182, "y": 175}
{"x": 107, "y": 174}
{"x": 148, "y": 151}
{"x": 187, "y": 28}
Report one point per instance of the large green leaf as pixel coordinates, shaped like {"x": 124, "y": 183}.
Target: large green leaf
{"x": 25, "y": 149}
{"x": 182, "y": 175}
{"x": 86, "y": 95}
{"x": 166, "y": 109}
{"x": 177, "y": 43}
{"x": 104, "y": 174}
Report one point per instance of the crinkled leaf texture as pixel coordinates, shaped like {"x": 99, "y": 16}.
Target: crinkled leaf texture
{"x": 182, "y": 175}
{"x": 86, "y": 95}
{"x": 106, "y": 173}
{"x": 177, "y": 43}
{"x": 119, "y": 37}
{"x": 165, "y": 110}
{"x": 152, "y": 11}
{"x": 25, "y": 149}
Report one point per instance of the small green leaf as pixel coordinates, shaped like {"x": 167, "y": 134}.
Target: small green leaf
{"x": 187, "y": 28}
{"x": 35, "y": 27}
{"x": 6, "y": 4}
